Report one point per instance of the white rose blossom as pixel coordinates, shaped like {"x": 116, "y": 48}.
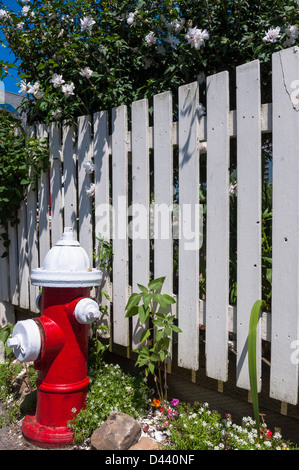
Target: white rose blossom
{"x": 24, "y": 87}
{"x": 91, "y": 190}
{"x": 4, "y": 15}
{"x": 197, "y": 37}
{"x": 272, "y": 35}
{"x": 86, "y": 72}
{"x": 26, "y": 10}
{"x": 57, "y": 80}
{"x": 292, "y": 31}
{"x": 89, "y": 166}
{"x": 151, "y": 39}
{"x": 131, "y": 19}
{"x": 178, "y": 25}
{"x": 87, "y": 23}
{"x": 172, "y": 40}
{"x": 68, "y": 89}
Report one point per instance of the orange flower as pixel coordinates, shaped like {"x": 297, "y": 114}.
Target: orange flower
{"x": 157, "y": 403}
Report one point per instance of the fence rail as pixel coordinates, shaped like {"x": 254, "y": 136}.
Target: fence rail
{"x": 137, "y": 164}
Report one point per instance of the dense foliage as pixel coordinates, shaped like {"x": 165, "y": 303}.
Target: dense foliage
{"x": 22, "y": 158}
{"x": 76, "y": 57}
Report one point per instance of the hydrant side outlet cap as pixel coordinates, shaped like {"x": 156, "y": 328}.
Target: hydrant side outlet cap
{"x": 66, "y": 265}
{"x": 25, "y": 341}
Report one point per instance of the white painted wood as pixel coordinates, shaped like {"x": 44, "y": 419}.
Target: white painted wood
{"x": 248, "y": 211}
{"x": 23, "y": 266}
{"x": 217, "y": 257}
{"x": 102, "y": 202}
{"x": 188, "y": 295}
{"x": 285, "y": 274}
{"x": 55, "y": 183}
{"x": 4, "y": 270}
{"x": 32, "y": 237}
{"x": 84, "y": 184}
{"x": 139, "y": 225}
{"x": 120, "y": 224}
{"x": 43, "y": 205}
{"x": 69, "y": 178}
{"x": 13, "y": 265}
{"x": 163, "y": 190}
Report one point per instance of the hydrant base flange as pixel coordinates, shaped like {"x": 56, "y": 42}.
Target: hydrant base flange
{"x": 46, "y": 436}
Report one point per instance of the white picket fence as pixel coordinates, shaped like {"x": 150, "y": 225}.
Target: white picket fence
{"x": 122, "y": 177}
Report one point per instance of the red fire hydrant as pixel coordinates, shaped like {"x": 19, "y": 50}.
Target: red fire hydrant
{"x": 57, "y": 341}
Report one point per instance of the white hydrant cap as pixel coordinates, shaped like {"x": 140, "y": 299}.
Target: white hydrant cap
{"x": 25, "y": 341}
{"x": 87, "y": 311}
{"x": 66, "y": 265}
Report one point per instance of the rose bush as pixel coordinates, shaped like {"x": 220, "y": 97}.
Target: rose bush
{"x": 82, "y": 56}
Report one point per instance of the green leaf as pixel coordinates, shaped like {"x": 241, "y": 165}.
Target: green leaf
{"x": 133, "y": 300}
{"x": 142, "y": 288}
{"x": 160, "y": 299}
{"x": 132, "y": 312}
{"x": 146, "y": 300}
{"x": 146, "y": 334}
{"x": 254, "y": 318}
{"x": 143, "y": 313}
{"x": 151, "y": 367}
{"x": 156, "y": 283}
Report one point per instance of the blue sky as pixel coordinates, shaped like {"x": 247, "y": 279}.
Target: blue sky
{"x": 10, "y": 84}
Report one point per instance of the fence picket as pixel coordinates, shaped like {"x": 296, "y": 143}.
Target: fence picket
{"x": 55, "y": 183}
{"x": 13, "y": 264}
{"x": 43, "y": 205}
{"x": 248, "y": 211}
{"x": 140, "y": 205}
{"x": 32, "y": 237}
{"x": 188, "y": 290}
{"x": 23, "y": 267}
{"x": 163, "y": 190}
{"x": 69, "y": 178}
{"x": 102, "y": 200}
{"x": 120, "y": 236}
{"x": 4, "y": 271}
{"x": 285, "y": 308}
{"x": 84, "y": 184}
{"x": 217, "y": 270}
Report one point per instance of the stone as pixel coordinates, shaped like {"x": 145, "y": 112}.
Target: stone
{"x": 119, "y": 432}
{"x": 145, "y": 443}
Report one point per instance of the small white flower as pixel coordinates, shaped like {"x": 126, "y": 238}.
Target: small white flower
{"x": 89, "y": 167}
{"x": 26, "y": 10}
{"x": 151, "y": 39}
{"x": 3, "y": 15}
{"x": 272, "y": 35}
{"x": 57, "y": 80}
{"x": 20, "y": 25}
{"x": 292, "y": 31}
{"x": 68, "y": 89}
{"x": 24, "y": 87}
{"x": 202, "y": 110}
{"x": 178, "y": 25}
{"x": 197, "y": 37}
{"x": 131, "y": 19}
{"x": 86, "y": 72}
{"x": 25, "y": 1}
{"x": 172, "y": 40}
{"x": 87, "y": 23}
{"x": 90, "y": 193}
